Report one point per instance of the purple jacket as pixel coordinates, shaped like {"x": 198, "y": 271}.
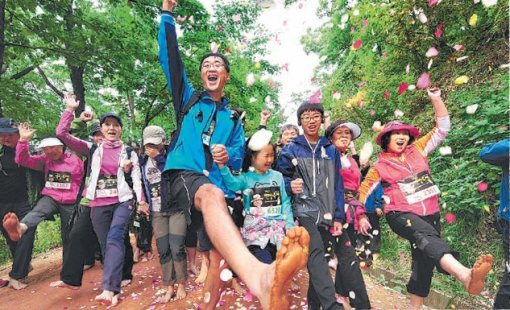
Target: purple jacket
{"x": 62, "y": 177}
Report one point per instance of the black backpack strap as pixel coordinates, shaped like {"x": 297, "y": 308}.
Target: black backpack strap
{"x": 195, "y": 98}
{"x": 127, "y": 176}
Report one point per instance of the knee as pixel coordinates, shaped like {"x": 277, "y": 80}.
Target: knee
{"x": 209, "y": 192}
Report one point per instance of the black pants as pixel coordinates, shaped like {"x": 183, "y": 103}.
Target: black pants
{"x": 375, "y": 243}
{"x": 348, "y": 277}
{"x": 502, "y": 300}
{"x": 427, "y": 247}
{"x": 21, "y": 250}
{"x": 321, "y": 289}
{"x": 81, "y": 249}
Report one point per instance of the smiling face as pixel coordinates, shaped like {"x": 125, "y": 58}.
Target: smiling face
{"x": 54, "y": 152}
{"x": 341, "y": 138}
{"x": 399, "y": 139}
{"x": 111, "y": 129}
{"x": 311, "y": 122}
{"x": 9, "y": 139}
{"x": 214, "y": 76}
{"x": 263, "y": 159}
{"x": 288, "y": 135}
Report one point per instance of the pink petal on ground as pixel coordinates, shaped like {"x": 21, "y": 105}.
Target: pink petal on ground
{"x": 402, "y": 88}
{"x": 433, "y": 2}
{"x": 357, "y": 44}
{"x": 439, "y": 31}
{"x": 482, "y": 186}
{"x": 432, "y": 52}
{"x": 365, "y": 22}
{"x": 248, "y": 296}
{"x": 458, "y": 47}
{"x": 423, "y": 81}
{"x": 372, "y": 112}
{"x": 360, "y": 84}
{"x": 386, "y": 94}
{"x": 449, "y": 217}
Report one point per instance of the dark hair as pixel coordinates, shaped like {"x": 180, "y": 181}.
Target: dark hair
{"x": 249, "y": 154}
{"x": 223, "y": 57}
{"x": 385, "y": 140}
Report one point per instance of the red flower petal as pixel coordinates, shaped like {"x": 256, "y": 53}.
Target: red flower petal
{"x": 423, "y": 81}
{"x": 439, "y": 31}
{"x": 386, "y": 94}
{"x": 449, "y": 217}
{"x": 433, "y": 2}
{"x": 482, "y": 186}
{"x": 402, "y": 88}
{"x": 357, "y": 44}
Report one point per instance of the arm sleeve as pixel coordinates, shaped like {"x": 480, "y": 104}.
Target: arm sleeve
{"x": 372, "y": 180}
{"x": 496, "y": 153}
{"x": 285, "y": 166}
{"x": 24, "y": 158}
{"x": 171, "y": 63}
{"x": 286, "y": 205}
{"x": 428, "y": 143}
{"x": 234, "y": 183}
{"x": 339, "y": 192}
{"x": 63, "y": 133}
{"x": 235, "y": 149}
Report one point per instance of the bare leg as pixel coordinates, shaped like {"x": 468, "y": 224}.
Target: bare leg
{"x": 416, "y": 302}
{"x": 472, "y": 279}
{"x": 14, "y": 228}
{"x": 213, "y": 285}
{"x": 192, "y": 253}
{"x": 267, "y": 282}
{"x": 204, "y": 268}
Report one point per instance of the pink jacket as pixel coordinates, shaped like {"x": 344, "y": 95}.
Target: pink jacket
{"x": 62, "y": 177}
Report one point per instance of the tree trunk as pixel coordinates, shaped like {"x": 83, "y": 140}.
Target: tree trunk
{"x": 2, "y": 43}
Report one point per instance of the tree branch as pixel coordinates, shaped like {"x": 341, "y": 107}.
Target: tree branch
{"x": 48, "y": 82}
{"x": 35, "y": 47}
{"x": 148, "y": 116}
{"x": 22, "y": 73}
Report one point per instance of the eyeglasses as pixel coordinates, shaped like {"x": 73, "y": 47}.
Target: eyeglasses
{"x": 216, "y": 65}
{"x": 307, "y": 119}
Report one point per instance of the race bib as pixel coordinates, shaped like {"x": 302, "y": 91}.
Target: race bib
{"x": 106, "y": 186}
{"x": 155, "y": 195}
{"x": 419, "y": 187}
{"x": 58, "y": 180}
{"x": 266, "y": 201}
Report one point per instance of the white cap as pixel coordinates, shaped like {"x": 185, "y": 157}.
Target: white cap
{"x": 260, "y": 139}
{"x": 50, "y": 142}
{"x": 153, "y": 135}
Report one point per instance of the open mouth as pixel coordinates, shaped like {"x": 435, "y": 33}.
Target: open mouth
{"x": 400, "y": 143}
{"x": 212, "y": 77}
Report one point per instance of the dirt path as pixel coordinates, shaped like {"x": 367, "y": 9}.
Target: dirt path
{"x": 145, "y": 286}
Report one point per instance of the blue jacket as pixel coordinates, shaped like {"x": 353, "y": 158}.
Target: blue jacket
{"x": 188, "y": 152}
{"x": 498, "y": 154}
{"x": 319, "y": 168}
{"x": 375, "y": 200}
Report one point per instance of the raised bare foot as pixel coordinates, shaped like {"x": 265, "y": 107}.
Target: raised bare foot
{"x": 194, "y": 269}
{"x": 16, "y": 284}
{"x": 479, "y": 271}
{"x": 202, "y": 276}
{"x": 181, "y": 292}
{"x": 12, "y": 226}
{"x": 291, "y": 257}
{"x": 167, "y": 297}
{"x": 60, "y": 283}
{"x": 106, "y": 298}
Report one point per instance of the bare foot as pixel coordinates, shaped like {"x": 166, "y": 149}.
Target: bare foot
{"x": 63, "y": 284}
{"x": 16, "y": 284}
{"x": 194, "y": 269}
{"x": 124, "y": 283}
{"x": 181, "y": 292}
{"x": 106, "y": 298}
{"x": 167, "y": 297}
{"x": 202, "y": 276}
{"x": 12, "y": 226}
{"x": 479, "y": 271}
{"x": 291, "y": 257}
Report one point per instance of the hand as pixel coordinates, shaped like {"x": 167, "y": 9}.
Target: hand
{"x": 296, "y": 186}
{"x": 127, "y": 165}
{"x": 26, "y": 132}
{"x": 364, "y": 226}
{"x": 71, "y": 103}
{"x": 352, "y": 148}
{"x": 143, "y": 207}
{"x": 168, "y": 5}
{"x": 86, "y": 116}
{"x": 219, "y": 153}
{"x": 337, "y": 228}
{"x": 379, "y": 211}
{"x": 434, "y": 93}
{"x": 264, "y": 116}
{"x": 151, "y": 152}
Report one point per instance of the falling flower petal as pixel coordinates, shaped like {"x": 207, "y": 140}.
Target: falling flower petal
{"x": 462, "y": 58}
{"x": 344, "y": 18}
{"x": 439, "y": 31}
{"x": 366, "y": 152}
{"x": 357, "y": 44}
{"x": 445, "y": 150}
{"x": 214, "y": 47}
{"x": 433, "y": 2}
{"x": 375, "y": 232}
{"x": 386, "y": 94}
{"x": 316, "y": 97}
{"x": 377, "y": 126}
{"x": 294, "y": 161}
{"x": 449, "y": 217}
{"x": 386, "y": 199}
{"x": 402, "y": 88}
{"x": 347, "y": 243}
{"x": 374, "y": 48}
{"x": 473, "y": 20}
{"x": 267, "y": 100}
{"x": 432, "y": 52}
{"x": 422, "y": 17}
{"x": 458, "y": 47}
{"x": 411, "y": 87}
{"x": 236, "y": 17}
{"x": 423, "y": 81}
{"x": 365, "y": 22}
{"x": 352, "y": 295}
{"x": 398, "y": 113}
{"x": 253, "y": 100}
{"x": 336, "y": 96}
{"x": 408, "y": 68}
{"x": 482, "y": 186}
{"x": 355, "y": 13}
{"x": 372, "y": 112}
{"x": 250, "y": 79}
{"x": 328, "y": 216}
{"x": 461, "y": 80}
{"x": 489, "y": 3}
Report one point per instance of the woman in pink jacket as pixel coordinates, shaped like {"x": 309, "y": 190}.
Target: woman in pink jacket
{"x": 63, "y": 173}
{"x": 412, "y": 203}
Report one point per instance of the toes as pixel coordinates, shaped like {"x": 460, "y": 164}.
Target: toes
{"x": 291, "y": 233}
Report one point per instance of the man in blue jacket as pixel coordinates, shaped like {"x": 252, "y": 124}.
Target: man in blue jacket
{"x": 498, "y": 154}
{"x": 208, "y": 134}
{"x": 310, "y": 165}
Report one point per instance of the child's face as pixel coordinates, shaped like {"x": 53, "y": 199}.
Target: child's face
{"x": 264, "y": 159}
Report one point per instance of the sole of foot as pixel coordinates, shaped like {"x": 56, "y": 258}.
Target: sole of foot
{"x": 291, "y": 257}
{"x": 107, "y": 299}
{"x": 479, "y": 271}
{"x": 17, "y": 285}
{"x": 63, "y": 285}
{"x": 11, "y": 225}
